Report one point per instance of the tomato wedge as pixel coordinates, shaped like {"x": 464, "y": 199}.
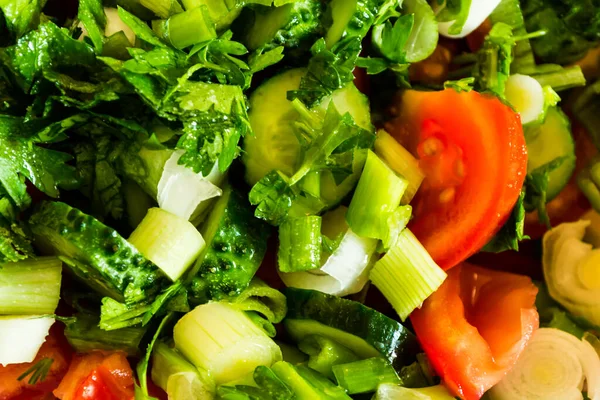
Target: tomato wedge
{"x": 475, "y": 326}
{"x": 97, "y": 376}
{"x": 472, "y": 150}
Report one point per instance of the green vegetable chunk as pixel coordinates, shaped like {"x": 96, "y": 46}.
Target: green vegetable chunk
{"x": 361, "y": 329}
{"x": 308, "y": 384}
{"x": 236, "y": 243}
{"x": 95, "y": 253}
{"x": 365, "y": 376}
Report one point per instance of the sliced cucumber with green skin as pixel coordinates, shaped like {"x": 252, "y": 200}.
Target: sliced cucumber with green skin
{"x": 291, "y": 25}
{"x": 548, "y": 141}
{"x": 98, "y": 255}
{"x": 274, "y": 145}
{"x": 364, "y": 331}
{"x": 349, "y": 18}
{"x": 236, "y": 243}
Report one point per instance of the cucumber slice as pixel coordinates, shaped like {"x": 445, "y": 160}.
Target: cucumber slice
{"x": 349, "y": 18}
{"x": 96, "y": 253}
{"x": 361, "y": 329}
{"x": 274, "y": 145}
{"x": 291, "y": 25}
{"x": 236, "y": 243}
{"x": 548, "y": 141}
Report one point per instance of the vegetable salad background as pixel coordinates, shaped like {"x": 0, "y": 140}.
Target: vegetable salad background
{"x": 299, "y": 199}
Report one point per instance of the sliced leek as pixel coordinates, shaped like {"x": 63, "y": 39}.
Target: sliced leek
{"x": 300, "y": 244}
{"x": 572, "y": 270}
{"x": 222, "y": 340}
{"x": 169, "y": 241}
{"x": 401, "y": 161}
{"x": 407, "y": 274}
{"x": 526, "y": 95}
{"x": 21, "y": 337}
{"x": 30, "y": 286}
{"x": 185, "y": 193}
{"x": 389, "y": 391}
{"x": 554, "y": 365}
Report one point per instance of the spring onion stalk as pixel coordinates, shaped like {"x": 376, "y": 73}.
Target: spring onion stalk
{"x": 306, "y": 383}
{"x": 30, "y": 286}
{"x": 526, "y": 95}
{"x": 299, "y": 244}
{"x": 562, "y": 79}
{"x": 325, "y": 353}
{"x": 388, "y": 391}
{"x": 365, "y": 376}
{"x": 263, "y": 299}
{"x": 169, "y": 241}
{"x": 114, "y": 24}
{"x": 222, "y": 340}
{"x": 84, "y": 335}
{"x": 190, "y": 27}
{"x": 407, "y": 274}
{"x": 22, "y": 337}
{"x": 372, "y": 211}
{"x": 346, "y": 269}
{"x": 401, "y": 161}
{"x": 162, "y": 8}
{"x": 179, "y": 378}
{"x": 185, "y": 193}
{"x": 571, "y": 270}
{"x": 478, "y": 12}
{"x": 291, "y": 353}
{"x": 554, "y": 365}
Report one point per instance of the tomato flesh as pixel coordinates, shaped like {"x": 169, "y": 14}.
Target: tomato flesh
{"x": 474, "y": 327}
{"x": 472, "y": 150}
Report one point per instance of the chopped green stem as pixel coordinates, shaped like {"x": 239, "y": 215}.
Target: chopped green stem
{"x": 365, "y": 376}
{"x": 588, "y": 181}
{"x": 190, "y": 27}
{"x": 325, "y": 353}
{"x": 300, "y": 244}
{"x": 162, "y": 8}
{"x": 84, "y": 335}
{"x": 167, "y": 361}
{"x": 407, "y": 274}
{"x": 30, "y": 286}
{"x": 563, "y": 79}
{"x": 375, "y": 200}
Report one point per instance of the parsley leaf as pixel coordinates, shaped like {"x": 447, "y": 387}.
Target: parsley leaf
{"x": 511, "y": 233}
{"x": 391, "y": 40}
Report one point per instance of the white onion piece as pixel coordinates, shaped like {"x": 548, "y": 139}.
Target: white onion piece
{"x": 554, "y": 365}
{"x": 115, "y": 24}
{"x": 345, "y": 272}
{"x": 187, "y": 385}
{"x": 183, "y": 192}
{"x": 526, "y": 95}
{"x": 572, "y": 270}
{"x": 21, "y": 337}
{"x": 479, "y": 11}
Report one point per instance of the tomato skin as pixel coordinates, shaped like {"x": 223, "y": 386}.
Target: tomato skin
{"x": 475, "y": 326}
{"x": 97, "y": 376}
{"x": 472, "y": 150}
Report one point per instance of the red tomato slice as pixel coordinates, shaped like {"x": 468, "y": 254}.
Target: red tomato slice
{"x": 475, "y": 326}
{"x": 472, "y": 150}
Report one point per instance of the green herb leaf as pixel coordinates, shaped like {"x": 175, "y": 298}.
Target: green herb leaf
{"x": 38, "y": 371}
{"x": 511, "y": 233}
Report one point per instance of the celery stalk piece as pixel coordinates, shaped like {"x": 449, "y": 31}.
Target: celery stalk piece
{"x": 190, "y": 27}
{"x": 178, "y": 377}
{"x": 84, "y": 335}
{"x": 401, "y": 161}
{"x": 325, "y": 353}
{"x": 30, "y": 286}
{"x": 308, "y": 384}
{"x": 365, "y": 375}
{"x": 21, "y": 337}
{"x": 169, "y": 241}
{"x": 224, "y": 341}
{"x": 562, "y": 78}
{"x": 300, "y": 244}
{"x": 407, "y": 274}
{"x": 373, "y": 209}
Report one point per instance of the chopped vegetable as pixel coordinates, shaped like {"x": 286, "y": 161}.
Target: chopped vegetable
{"x": 469, "y": 15}
{"x": 22, "y": 337}
{"x": 223, "y": 341}
{"x": 554, "y": 365}
{"x": 393, "y": 392}
{"x": 324, "y": 353}
{"x": 30, "y": 286}
{"x": 364, "y": 376}
{"x": 526, "y": 95}
{"x": 307, "y": 384}
{"x": 460, "y": 208}
{"x": 571, "y": 271}
{"x": 300, "y": 244}
{"x": 475, "y": 326}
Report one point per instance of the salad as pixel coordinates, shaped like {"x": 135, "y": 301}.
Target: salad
{"x": 299, "y": 199}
